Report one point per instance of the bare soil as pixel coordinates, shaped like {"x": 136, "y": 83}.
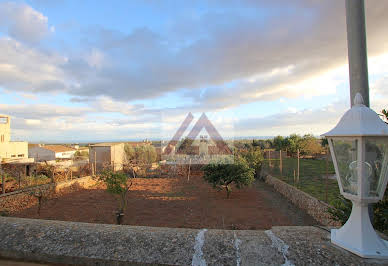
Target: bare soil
{"x": 176, "y": 202}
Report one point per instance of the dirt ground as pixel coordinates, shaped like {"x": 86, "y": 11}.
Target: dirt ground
{"x": 176, "y": 202}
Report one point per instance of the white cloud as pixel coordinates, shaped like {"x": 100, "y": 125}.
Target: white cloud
{"x": 22, "y": 22}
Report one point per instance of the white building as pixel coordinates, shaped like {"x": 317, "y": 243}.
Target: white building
{"x": 50, "y": 152}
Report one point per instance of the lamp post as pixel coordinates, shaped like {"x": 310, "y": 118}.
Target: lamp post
{"x": 359, "y": 148}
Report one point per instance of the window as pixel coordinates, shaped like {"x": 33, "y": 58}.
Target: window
{"x": 3, "y": 120}
{"x": 13, "y": 156}
{"x": 20, "y": 155}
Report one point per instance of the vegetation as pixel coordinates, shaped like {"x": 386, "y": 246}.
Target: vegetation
{"x": 222, "y": 176}
{"x": 138, "y": 156}
{"x": 343, "y": 208}
{"x": 141, "y": 154}
{"x": 254, "y": 158}
{"x": 41, "y": 194}
{"x": 312, "y": 179}
{"x": 117, "y": 184}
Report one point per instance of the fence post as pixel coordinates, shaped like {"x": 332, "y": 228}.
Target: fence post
{"x": 188, "y": 175}
{"x": 281, "y": 163}
{"x": 269, "y": 158}
{"x": 298, "y": 168}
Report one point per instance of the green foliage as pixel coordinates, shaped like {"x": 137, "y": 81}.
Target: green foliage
{"x": 254, "y": 158}
{"x": 117, "y": 184}
{"x": 293, "y": 143}
{"x": 141, "y": 154}
{"x": 279, "y": 143}
{"x": 222, "y": 176}
{"x": 343, "y": 208}
{"x": 130, "y": 154}
{"x": 380, "y": 219}
{"x": 310, "y": 145}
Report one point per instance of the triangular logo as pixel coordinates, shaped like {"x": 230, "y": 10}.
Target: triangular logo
{"x": 221, "y": 148}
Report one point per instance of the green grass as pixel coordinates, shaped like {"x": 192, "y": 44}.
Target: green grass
{"x": 312, "y": 176}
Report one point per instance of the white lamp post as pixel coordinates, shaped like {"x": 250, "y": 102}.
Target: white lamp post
{"x": 359, "y": 148}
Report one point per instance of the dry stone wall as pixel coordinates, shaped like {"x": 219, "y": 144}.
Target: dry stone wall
{"x": 22, "y": 199}
{"x": 316, "y": 208}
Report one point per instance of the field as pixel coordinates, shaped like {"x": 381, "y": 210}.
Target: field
{"x": 176, "y": 202}
{"x": 313, "y": 179}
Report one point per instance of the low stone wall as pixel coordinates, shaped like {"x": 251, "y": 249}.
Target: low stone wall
{"x": 102, "y": 244}
{"x": 316, "y": 208}
{"x": 22, "y": 199}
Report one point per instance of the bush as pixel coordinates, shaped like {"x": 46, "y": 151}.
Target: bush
{"x": 343, "y": 208}
{"x": 254, "y": 158}
{"x": 222, "y": 176}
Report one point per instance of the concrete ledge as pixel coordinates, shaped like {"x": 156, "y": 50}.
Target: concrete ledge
{"x": 316, "y": 208}
{"x": 99, "y": 244}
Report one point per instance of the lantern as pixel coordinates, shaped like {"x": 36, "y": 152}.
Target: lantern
{"x": 359, "y": 148}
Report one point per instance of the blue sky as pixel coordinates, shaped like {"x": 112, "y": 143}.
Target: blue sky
{"x": 113, "y": 70}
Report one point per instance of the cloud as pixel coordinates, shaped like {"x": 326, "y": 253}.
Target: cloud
{"x": 27, "y": 69}
{"x": 22, "y": 22}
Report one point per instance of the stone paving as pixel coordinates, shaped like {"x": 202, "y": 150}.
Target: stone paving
{"x": 102, "y": 244}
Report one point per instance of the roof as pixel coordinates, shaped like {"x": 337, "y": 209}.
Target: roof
{"x": 107, "y": 144}
{"x": 57, "y": 148}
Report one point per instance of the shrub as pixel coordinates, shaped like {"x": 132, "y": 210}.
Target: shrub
{"x": 222, "y": 176}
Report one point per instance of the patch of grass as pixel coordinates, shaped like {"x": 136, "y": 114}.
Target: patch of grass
{"x": 312, "y": 178}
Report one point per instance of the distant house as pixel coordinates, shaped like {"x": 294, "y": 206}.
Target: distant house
{"x": 50, "y": 152}
{"x": 107, "y": 155}
{"x": 11, "y": 150}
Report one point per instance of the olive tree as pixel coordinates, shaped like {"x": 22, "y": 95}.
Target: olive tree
{"x": 222, "y": 176}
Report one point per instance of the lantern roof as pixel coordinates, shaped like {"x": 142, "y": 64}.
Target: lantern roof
{"x": 359, "y": 121}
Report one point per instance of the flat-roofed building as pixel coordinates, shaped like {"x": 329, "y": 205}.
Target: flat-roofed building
{"x": 104, "y": 155}
{"x": 10, "y": 150}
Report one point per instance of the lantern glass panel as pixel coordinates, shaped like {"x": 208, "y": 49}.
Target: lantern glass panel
{"x": 346, "y": 156}
{"x": 376, "y": 155}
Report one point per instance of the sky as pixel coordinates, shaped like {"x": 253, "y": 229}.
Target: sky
{"x": 74, "y": 71}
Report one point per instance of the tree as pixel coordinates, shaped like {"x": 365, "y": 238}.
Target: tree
{"x": 278, "y": 143}
{"x": 222, "y": 176}
{"x": 254, "y": 158}
{"x": 145, "y": 154}
{"x": 293, "y": 143}
{"x": 117, "y": 184}
{"x": 310, "y": 145}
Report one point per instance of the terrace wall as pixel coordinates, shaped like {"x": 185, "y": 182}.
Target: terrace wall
{"x": 104, "y": 244}
{"x": 316, "y": 208}
{"x": 22, "y": 199}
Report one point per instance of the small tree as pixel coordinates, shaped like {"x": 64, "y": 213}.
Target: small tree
{"x": 41, "y": 194}
{"x": 254, "y": 158}
{"x": 222, "y": 176}
{"x": 118, "y": 185}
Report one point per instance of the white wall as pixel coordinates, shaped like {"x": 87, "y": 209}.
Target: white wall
{"x": 65, "y": 155}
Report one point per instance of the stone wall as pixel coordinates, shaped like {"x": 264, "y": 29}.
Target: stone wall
{"x": 316, "y": 208}
{"x": 22, "y": 199}
{"x": 104, "y": 244}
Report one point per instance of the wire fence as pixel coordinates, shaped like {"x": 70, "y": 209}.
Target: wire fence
{"x": 314, "y": 175}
